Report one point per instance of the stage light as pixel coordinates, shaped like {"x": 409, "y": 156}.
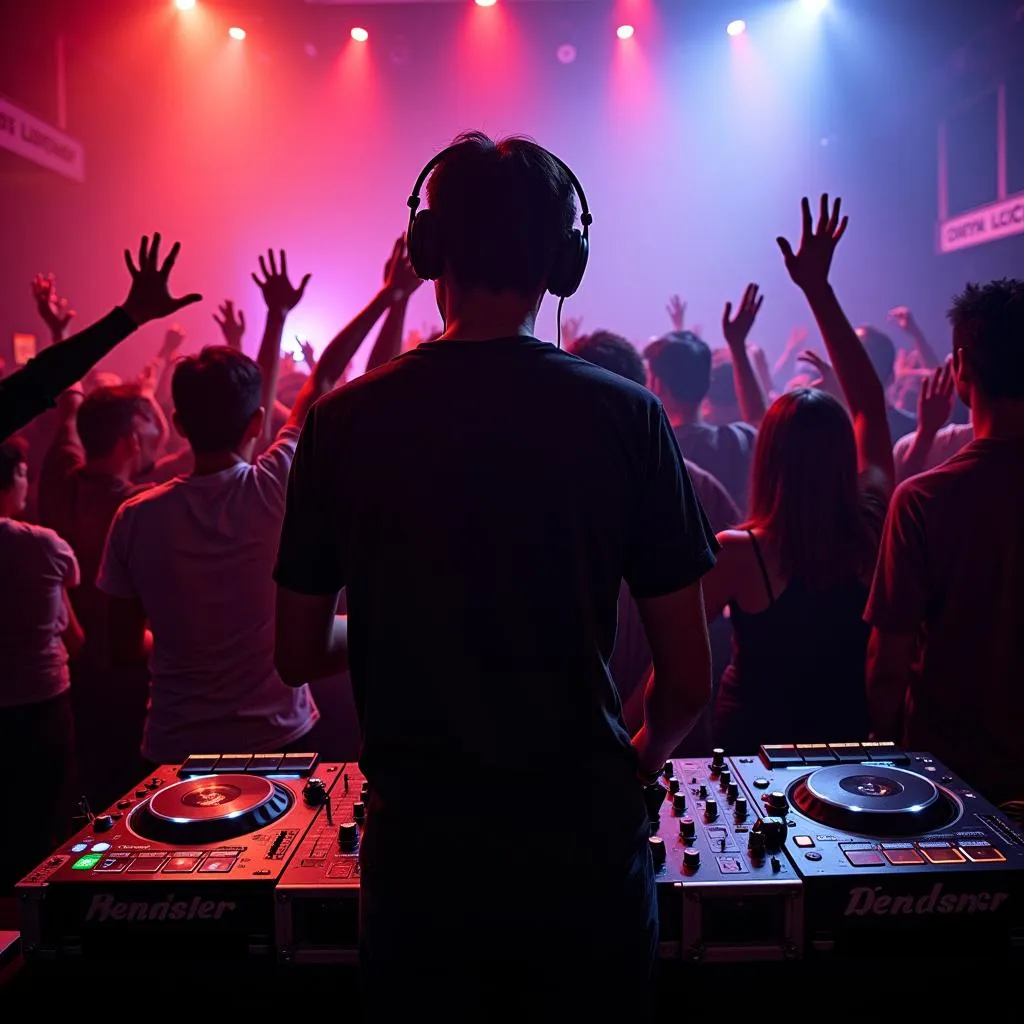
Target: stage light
{"x": 360, "y": 35}
{"x": 184, "y": 5}
{"x": 486, "y": 3}
{"x": 566, "y": 53}
{"x": 737, "y": 27}
{"x": 814, "y": 6}
{"x": 625, "y": 31}
{"x": 237, "y": 33}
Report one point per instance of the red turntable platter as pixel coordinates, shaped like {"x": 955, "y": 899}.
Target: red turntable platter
{"x": 210, "y": 808}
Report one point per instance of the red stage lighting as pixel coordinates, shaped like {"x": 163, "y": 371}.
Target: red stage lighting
{"x": 237, "y": 33}
{"x": 184, "y": 5}
{"x": 625, "y": 31}
{"x": 360, "y": 35}
{"x": 486, "y": 3}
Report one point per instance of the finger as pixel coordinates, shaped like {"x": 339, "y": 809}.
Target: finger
{"x": 284, "y": 263}
{"x": 154, "y": 251}
{"x": 727, "y": 315}
{"x": 273, "y": 262}
{"x": 241, "y": 319}
{"x": 263, "y": 269}
{"x": 822, "y": 213}
{"x": 185, "y": 300}
{"x": 131, "y": 265}
{"x": 302, "y": 287}
{"x": 785, "y": 247}
{"x": 220, "y": 323}
{"x": 833, "y": 221}
{"x": 143, "y": 252}
{"x": 758, "y": 305}
{"x": 805, "y": 211}
{"x": 841, "y": 229}
{"x": 172, "y": 258}
{"x": 259, "y": 283}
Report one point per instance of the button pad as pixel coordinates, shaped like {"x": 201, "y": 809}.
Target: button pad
{"x": 982, "y": 854}
{"x": 147, "y": 863}
{"x": 181, "y": 864}
{"x": 941, "y": 854}
{"x": 864, "y": 858}
{"x": 903, "y": 855}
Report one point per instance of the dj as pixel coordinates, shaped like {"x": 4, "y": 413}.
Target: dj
{"x": 480, "y": 498}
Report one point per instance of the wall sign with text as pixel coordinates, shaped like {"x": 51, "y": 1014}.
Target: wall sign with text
{"x": 985, "y": 224}
{"x": 34, "y": 139}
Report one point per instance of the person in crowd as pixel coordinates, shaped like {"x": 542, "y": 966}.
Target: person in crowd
{"x": 35, "y": 387}
{"x": 631, "y": 659}
{"x": 193, "y": 557}
{"x": 480, "y": 499}
{"x": 37, "y": 630}
{"x": 679, "y": 367}
{"x": 104, "y": 442}
{"x": 795, "y": 576}
{"x": 882, "y": 353}
{"x": 947, "y": 642}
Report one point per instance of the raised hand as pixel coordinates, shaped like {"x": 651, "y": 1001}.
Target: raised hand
{"x": 935, "y": 400}
{"x": 399, "y": 277}
{"x": 149, "y": 297}
{"x": 232, "y": 326}
{"x": 172, "y": 341}
{"x": 307, "y": 352}
{"x": 737, "y": 328}
{"x": 827, "y": 380}
{"x": 676, "y": 310}
{"x": 278, "y": 293}
{"x": 52, "y": 308}
{"x": 903, "y": 318}
{"x": 810, "y": 264}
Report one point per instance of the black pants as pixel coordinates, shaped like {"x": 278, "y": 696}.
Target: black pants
{"x": 460, "y": 932}
{"x": 38, "y": 741}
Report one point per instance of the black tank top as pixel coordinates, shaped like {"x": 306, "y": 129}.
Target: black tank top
{"x": 797, "y": 672}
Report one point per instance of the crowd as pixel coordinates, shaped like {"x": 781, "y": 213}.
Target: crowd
{"x": 532, "y": 561}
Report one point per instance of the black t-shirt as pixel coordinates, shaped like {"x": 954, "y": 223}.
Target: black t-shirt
{"x": 481, "y": 502}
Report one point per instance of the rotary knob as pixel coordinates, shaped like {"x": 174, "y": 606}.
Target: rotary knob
{"x": 359, "y": 811}
{"x": 703, "y": 791}
{"x": 740, "y": 808}
{"x": 776, "y": 804}
{"x": 717, "y": 759}
{"x": 732, "y": 791}
{"x": 679, "y": 803}
{"x": 774, "y": 834}
{"x": 691, "y": 859}
{"x": 687, "y": 828}
{"x": 711, "y": 808}
{"x": 755, "y": 841}
{"x": 102, "y": 823}
{"x": 364, "y": 790}
{"x": 725, "y": 778}
{"x": 314, "y": 792}
{"x": 673, "y": 785}
{"x": 348, "y": 835}
{"x": 657, "y": 845}
{"x": 667, "y": 770}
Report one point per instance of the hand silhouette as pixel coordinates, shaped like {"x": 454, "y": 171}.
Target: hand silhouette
{"x": 149, "y": 297}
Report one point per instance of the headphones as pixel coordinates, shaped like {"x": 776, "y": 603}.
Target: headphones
{"x": 426, "y": 253}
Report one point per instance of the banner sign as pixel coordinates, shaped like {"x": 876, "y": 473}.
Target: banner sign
{"x": 985, "y": 224}
{"x": 39, "y": 142}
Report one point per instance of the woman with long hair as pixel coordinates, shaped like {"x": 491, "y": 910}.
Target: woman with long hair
{"x": 795, "y": 576}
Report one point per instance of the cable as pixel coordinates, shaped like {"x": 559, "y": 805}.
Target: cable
{"x": 561, "y": 302}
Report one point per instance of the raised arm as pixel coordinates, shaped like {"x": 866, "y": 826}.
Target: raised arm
{"x": 281, "y": 298}
{"x": 54, "y": 309}
{"x": 33, "y": 389}
{"x": 404, "y": 282}
{"x": 904, "y": 319}
{"x": 934, "y": 406}
{"x": 735, "y": 329}
{"x": 865, "y": 398}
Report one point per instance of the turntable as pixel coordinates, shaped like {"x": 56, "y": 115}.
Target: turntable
{"x": 183, "y": 866}
{"x": 892, "y": 847}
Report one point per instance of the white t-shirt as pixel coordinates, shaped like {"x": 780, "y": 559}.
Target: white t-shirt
{"x": 948, "y": 441}
{"x": 35, "y": 566}
{"x": 199, "y": 552}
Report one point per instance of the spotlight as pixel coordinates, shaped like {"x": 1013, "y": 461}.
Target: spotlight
{"x": 737, "y": 27}
{"x": 566, "y": 53}
{"x": 360, "y": 35}
{"x": 237, "y": 33}
{"x": 486, "y": 3}
{"x": 625, "y": 31}
{"x": 184, "y": 5}
{"x": 814, "y": 6}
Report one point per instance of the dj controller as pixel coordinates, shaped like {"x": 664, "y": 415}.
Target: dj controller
{"x": 801, "y": 851}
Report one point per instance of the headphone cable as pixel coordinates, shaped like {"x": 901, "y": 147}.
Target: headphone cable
{"x": 561, "y": 302}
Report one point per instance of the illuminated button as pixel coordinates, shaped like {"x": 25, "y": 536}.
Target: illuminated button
{"x": 982, "y": 854}
{"x": 777, "y": 755}
{"x": 181, "y": 865}
{"x": 113, "y": 864}
{"x": 79, "y": 847}
{"x": 147, "y": 863}
{"x": 847, "y": 753}
{"x": 86, "y": 862}
{"x": 217, "y": 865}
{"x": 298, "y": 762}
{"x": 100, "y": 847}
{"x": 233, "y": 763}
{"x": 942, "y": 855}
{"x": 815, "y": 753}
{"x": 265, "y": 763}
{"x": 903, "y": 856}
{"x": 866, "y": 858}
{"x": 886, "y": 750}
{"x": 199, "y": 764}
{"x": 804, "y": 842}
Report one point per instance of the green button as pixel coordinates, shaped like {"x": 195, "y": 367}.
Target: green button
{"x": 87, "y": 861}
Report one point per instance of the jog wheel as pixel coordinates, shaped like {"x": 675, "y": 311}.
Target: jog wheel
{"x": 210, "y": 809}
{"x": 873, "y": 800}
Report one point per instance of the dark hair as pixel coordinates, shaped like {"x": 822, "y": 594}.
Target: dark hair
{"x": 682, "y": 362}
{"x": 216, "y": 394}
{"x": 803, "y": 490}
{"x": 881, "y": 351}
{"x": 722, "y": 383}
{"x": 502, "y": 208}
{"x": 613, "y": 352}
{"x": 107, "y": 415}
{"x": 988, "y": 324}
{"x": 13, "y": 453}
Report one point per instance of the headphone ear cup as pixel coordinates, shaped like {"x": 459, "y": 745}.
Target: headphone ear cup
{"x": 424, "y": 246}
{"x": 569, "y": 265}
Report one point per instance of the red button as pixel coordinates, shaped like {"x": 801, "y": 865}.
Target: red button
{"x": 982, "y": 854}
{"x": 903, "y": 857}
{"x": 217, "y": 865}
{"x": 181, "y": 865}
{"x": 866, "y": 858}
{"x": 942, "y": 855}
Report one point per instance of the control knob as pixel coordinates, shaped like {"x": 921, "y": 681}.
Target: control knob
{"x": 774, "y": 833}
{"x": 732, "y": 791}
{"x": 364, "y": 790}
{"x": 703, "y": 791}
{"x": 667, "y": 770}
{"x": 314, "y": 792}
{"x": 755, "y": 842}
{"x": 711, "y": 808}
{"x": 657, "y": 845}
{"x": 654, "y": 797}
{"x": 687, "y": 829}
{"x": 776, "y": 804}
{"x": 348, "y": 835}
{"x": 741, "y": 808}
{"x": 673, "y": 785}
{"x": 725, "y": 778}
{"x": 102, "y": 823}
{"x": 359, "y": 811}
{"x": 717, "y": 759}
{"x": 679, "y": 803}
{"x": 691, "y": 859}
